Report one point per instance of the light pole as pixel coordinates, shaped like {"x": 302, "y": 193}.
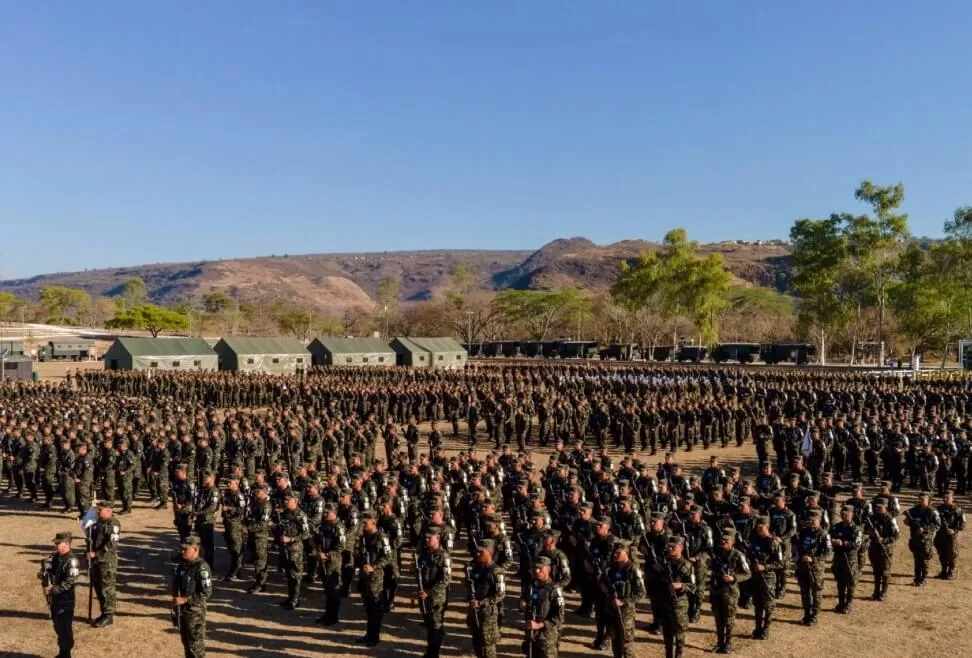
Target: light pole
{"x": 386, "y": 321}
{"x": 469, "y": 328}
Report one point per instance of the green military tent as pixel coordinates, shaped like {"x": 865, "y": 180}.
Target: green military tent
{"x": 331, "y": 351}
{"x": 279, "y": 356}
{"x": 429, "y": 352}
{"x": 130, "y": 353}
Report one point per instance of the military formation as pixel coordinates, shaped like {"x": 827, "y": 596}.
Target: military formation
{"x": 325, "y": 479}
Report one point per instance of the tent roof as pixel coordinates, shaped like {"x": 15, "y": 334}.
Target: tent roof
{"x": 431, "y": 344}
{"x": 165, "y": 346}
{"x": 246, "y": 345}
{"x": 354, "y": 345}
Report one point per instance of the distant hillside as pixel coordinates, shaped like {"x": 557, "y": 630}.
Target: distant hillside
{"x": 340, "y": 281}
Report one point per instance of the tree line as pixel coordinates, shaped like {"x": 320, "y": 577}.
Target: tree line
{"x": 858, "y": 281}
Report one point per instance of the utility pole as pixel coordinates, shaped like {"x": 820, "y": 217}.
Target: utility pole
{"x": 386, "y": 321}
{"x": 469, "y": 335}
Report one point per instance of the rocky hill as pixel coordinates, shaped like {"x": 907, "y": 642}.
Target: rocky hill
{"x": 340, "y": 281}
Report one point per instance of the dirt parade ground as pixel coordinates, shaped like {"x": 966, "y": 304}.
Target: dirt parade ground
{"x": 935, "y": 620}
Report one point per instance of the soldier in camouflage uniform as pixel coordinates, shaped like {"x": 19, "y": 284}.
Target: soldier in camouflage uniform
{"x": 192, "y": 586}
{"x": 125, "y": 465}
{"x": 233, "y": 511}
{"x": 845, "y": 538}
{"x": 102, "y": 551}
{"x": 434, "y": 571}
{"x": 292, "y": 530}
{"x": 946, "y": 539}
{"x": 813, "y": 549}
{"x": 729, "y": 569}
{"x": 330, "y": 544}
{"x": 59, "y": 574}
{"x": 624, "y": 587}
{"x": 206, "y": 506}
{"x": 83, "y": 473}
{"x": 676, "y": 584}
{"x": 486, "y": 589}
{"x": 48, "y": 469}
{"x": 544, "y": 613}
{"x": 765, "y": 552}
{"x": 923, "y": 522}
{"x": 258, "y": 515}
{"x": 65, "y": 474}
{"x": 371, "y": 555}
{"x": 883, "y": 531}
{"x": 391, "y": 528}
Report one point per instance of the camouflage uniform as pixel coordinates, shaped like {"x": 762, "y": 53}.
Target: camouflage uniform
{"x": 626, "y": 583}
{"x": 544, "y": 603}
{"x": 294, "y": 526}
{"x": 485, "y": 585}
{"x": 434, "y": 569}
{"x": 673, "y": 608}
{"x": 258, "y": 534}
{"x": 724, "y": 596}
{"x": 234, "y": 508}
{"x": 193, "y": 580}
{"x": 103, "y": 541}
{"x": 374, "y": 550}
{"x": 331, "y": 541}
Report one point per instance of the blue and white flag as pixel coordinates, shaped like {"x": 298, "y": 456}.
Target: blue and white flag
{"x": 806, "y": 447}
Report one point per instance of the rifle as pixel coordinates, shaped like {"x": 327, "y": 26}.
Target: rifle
{"x": 472, "y": 597}
{"x": 90, "y": 584}
{"x": 422, "y": 603}
{"x": 876, "y": 537}
{"x": 45, "y": 578}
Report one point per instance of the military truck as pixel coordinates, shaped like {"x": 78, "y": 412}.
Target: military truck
{"x": 66, "y": 349}
{"x": 799, "y": 353}
{"x": 691, "y": 353}
{"x": 741, "y": 352}
{"x": 621, "y": 352}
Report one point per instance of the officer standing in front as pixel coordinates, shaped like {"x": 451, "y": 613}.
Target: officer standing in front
{"x": 192, "y": 586}
{"x": 59, "y": 574}
{"x": 103, "y": 553}
{"x": 813, "y": 549}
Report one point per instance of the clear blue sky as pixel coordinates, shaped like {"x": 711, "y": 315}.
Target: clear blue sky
{"x": 135, "y": 132}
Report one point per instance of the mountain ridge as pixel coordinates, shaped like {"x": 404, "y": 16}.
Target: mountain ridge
{"x": 338, "y": 281}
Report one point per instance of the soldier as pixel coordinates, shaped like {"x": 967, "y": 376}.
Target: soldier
{"x": 433, "y": 568}
{"x": 624, "y": 587}
{"x": 486, "y": 589}
{"x": 258, "y": 515}
{"x": 83, "y": 474}
{"x": 765, "y": 559}
{"x": 543, "y": 612}
{"x": 845, "y": 538}
{"x": 883, "y": 530}
{"x": 391, "y": 529}
{"x": 783, "y": 526}
{"x": 192, "y": 586}
{"x": 183, "y": 497}
{"x": 729, "y": 569}
{"x": 58, "y": 576}
{"x": 677, "y": 583}
{"x": 102, "y": 552}
{"x": 233, "y": 512}
{"x": 65, "y": 474}
{"x": 330, "y": 543}
{"x": 125, "y": 465}
{"x": 48, "y": 468}
{"x": 923, "y": 522}
{"x": 371, "y": 555}
{"x": 946, "y": 539}
{"x": 559, "y": 563}
{"x": 812, "y": 549}
{"x": 698, "y": 551}
{"x": 206, "y": 505}
{"x": 292, "y": 530}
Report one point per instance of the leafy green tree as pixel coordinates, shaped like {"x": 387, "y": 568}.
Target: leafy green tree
{"x": 217, "y": 302}
{"x": 148, "y": 317}
{"x": 676, "y": 282}
{"x": 63, "y": 305}
{"x": 819, "y": 252}
{"x": 134, "y": 293}
{"x": 538, "y": 312}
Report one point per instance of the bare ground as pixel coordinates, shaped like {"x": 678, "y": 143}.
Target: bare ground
{"x": 931, "y": 621}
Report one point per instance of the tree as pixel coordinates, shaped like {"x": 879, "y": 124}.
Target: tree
{"x": 537, "y": 312}
{"x": 460, "y": 284}
{"x": 676, "y": 282}
{"x": 134, "y": 293}
{"x": 874, "y": 243}
{"x": 63, "y": 305}
{"x": 9, "y": 303}
{"x": 151, "y": 318}
{"x": 217, "y": 302}
{"x": 105, "y": 308}
{"x": 820, "y": 255}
